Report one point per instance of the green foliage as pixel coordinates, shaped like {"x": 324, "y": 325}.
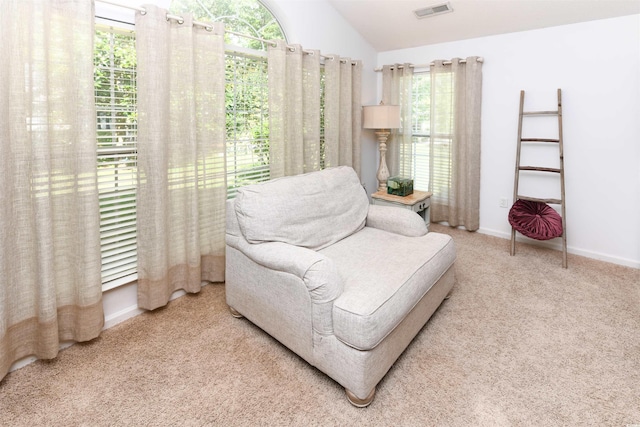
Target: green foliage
{"x": 115, "y": 91}
{"x": 119, "y": 47}
{"x": 247, "y": 108}
{"x": 114, "y": 72}
{"x": 246, "y": 97}
{"x": 242, "y": 16}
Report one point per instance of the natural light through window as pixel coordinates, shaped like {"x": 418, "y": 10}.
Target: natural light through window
{"x": 430, "y": 150}
{"x": 116, "y": 114}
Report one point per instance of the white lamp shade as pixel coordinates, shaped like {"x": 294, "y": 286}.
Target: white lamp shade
{"x": 381, "y": 117}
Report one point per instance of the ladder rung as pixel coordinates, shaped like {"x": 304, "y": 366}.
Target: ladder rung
{"x": 535, "y": 199}
{"x": 539, "y": 140}
{"x": 538, "y": 169}
{"x": 539, "y": 113}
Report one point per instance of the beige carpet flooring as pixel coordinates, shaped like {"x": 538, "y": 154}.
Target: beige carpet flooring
{"x": 521, "y": 342}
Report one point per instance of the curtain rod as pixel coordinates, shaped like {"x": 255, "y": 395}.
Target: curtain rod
{"x": 143, "y": 11}
{"x": 208, "y": 27}
{"x": 431, "y": 64}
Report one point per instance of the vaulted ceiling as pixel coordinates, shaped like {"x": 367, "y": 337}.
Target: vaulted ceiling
{"x": 391, "y": 24}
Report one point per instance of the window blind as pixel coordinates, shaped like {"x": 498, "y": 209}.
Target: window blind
{"x": 115, "y": 97}
{"x": 431, "y": 146}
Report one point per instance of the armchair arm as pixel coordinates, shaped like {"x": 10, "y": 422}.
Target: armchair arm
{"x": 318, "y": 272}
{"x": 396, "y": 220}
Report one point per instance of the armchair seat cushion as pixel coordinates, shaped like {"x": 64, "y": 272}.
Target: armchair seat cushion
{"x": 384, "y": 276}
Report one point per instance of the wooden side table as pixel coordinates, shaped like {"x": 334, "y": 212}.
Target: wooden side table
{"x": 419, "y": 201}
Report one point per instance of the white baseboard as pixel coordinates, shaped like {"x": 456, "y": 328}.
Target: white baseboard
{"x": 558, "y": 246}
{"x": 30, "y": 359}
{"x": 22, "y": 363}
{"x": 122, "y": 315}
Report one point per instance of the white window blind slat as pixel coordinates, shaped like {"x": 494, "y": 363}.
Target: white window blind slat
{"x": 113, "y": 231}
{"x": 124, "y": 209}
{"x": 119, "y": 272}
{"x": 116, "y": 198}
{"x": 118, "y": 258}
{"x": 118, "y": 222}
{"x": 121, "y": 245}
{"x": 120, "y": 237}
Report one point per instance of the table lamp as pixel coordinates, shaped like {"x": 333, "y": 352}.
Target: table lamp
{"x": 383, "y": 118}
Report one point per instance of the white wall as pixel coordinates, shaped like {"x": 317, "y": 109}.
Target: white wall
{"x": 597, "y": 66}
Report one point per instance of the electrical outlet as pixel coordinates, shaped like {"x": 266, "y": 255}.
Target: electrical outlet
{"x": 504, "y": 202}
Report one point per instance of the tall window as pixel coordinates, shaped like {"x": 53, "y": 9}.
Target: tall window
{"x": 247, "y": 121}
{"x": 246, "y": 77}
{"x": 421, "y": 126}
{"x": 115, "y": 94}
{"x": 429, "y": 156}
{"x": 115, "y": 97}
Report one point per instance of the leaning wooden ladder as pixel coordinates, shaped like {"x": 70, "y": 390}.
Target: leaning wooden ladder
{"x": 560, "y": 170}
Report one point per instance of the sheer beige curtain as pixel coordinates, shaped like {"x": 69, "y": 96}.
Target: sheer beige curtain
{"x": 456, "y": 99}
{"x": 343, "y": 117}
{"x": 181, "y": 156}
{"x": 295, "y": 114}
{"x": 397, "y": 83}
{"x": 50, "y": 287}
{"x": 294, "y": 110}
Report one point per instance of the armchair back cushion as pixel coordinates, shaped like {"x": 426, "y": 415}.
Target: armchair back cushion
{"x": 313, "y": 210}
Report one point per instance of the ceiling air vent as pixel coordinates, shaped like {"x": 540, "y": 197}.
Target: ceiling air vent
{"x": 433, "y": 10}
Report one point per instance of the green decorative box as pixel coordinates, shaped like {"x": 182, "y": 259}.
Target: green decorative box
{"x": 399, "y": 186}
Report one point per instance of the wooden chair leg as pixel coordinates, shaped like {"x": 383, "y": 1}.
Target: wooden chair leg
{"x": 235, "y": 313}
{"x": 360, "y": 403}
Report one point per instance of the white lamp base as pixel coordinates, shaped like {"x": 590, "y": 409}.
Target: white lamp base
{"x": 383, "y": 171}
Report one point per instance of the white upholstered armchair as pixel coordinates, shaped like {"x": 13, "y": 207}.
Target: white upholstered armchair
{"x": 344, "y": 284}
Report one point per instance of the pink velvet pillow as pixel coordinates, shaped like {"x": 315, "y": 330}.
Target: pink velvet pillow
{"x": 536, "y": 220}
